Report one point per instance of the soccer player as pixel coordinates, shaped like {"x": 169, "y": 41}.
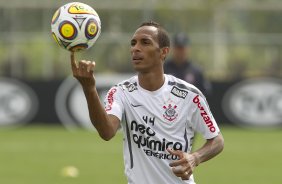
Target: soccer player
{"x": 160, "y": 113}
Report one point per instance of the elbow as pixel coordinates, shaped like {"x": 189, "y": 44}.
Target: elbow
{"x": 106, "y": 133}
{"x": 106, "y": 136}
{"x": 220, "y": 143}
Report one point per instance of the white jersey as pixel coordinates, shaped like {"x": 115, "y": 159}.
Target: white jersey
{"x": 155, "y": 121}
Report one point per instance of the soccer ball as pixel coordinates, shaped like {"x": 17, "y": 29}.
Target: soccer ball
{"x": 76, "y": 26}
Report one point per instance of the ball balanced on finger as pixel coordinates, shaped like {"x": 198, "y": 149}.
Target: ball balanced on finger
{"x": 75, "y": 26}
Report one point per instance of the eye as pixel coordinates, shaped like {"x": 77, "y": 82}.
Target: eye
{"x": 133, "y": 42}
{"x": 146, "y": 41}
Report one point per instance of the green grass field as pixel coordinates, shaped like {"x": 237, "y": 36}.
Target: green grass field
{"x": 36, "y": 155}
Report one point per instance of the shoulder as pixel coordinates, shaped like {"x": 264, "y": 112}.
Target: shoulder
{"x": 179, "y": 85}
{"x": 129, "y": 84}
{"x": 117, "y": 91}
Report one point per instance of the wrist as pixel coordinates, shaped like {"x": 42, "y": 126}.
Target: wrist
{"x": 196, "y": 158}
{"x": 193, "y": 159}
{"x": 89, "y": 88}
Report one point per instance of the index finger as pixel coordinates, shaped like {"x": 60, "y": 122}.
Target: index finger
{"x": 175, "y": 152}
{"x": 177, "y": 163}
{"x": 73, "y": 63}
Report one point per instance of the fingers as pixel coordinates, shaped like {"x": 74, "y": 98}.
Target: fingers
{"x": 175, "y": 152}
{"x": 73, "y": 63}
{"x": 178, "y": 162}
{"x": 82, "y": 64}
{"x": 181, "y": 168}
{"x": 91, "y": 66}
{"x": 186, "y": 176}
{"x": 86, "y": 65}
{"x": 183, "y": 172}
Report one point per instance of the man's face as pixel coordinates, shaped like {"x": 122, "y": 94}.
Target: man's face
{"x": 145, "y": 50}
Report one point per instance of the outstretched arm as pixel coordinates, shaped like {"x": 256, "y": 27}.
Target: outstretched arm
{"x": 106, "y": 125}
{"x": 188, "y": 161}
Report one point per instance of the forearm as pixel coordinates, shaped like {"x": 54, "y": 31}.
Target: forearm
{"x": 98, "y": 115}
{"x": 209, "y": 150}
{"x": 105, "y": 124}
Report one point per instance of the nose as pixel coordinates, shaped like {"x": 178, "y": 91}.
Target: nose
{"x": 135, "y": 48}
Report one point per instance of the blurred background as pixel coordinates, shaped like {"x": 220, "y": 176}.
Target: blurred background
{"x": 226, "y": 35}
{"x": 43, "y": 114}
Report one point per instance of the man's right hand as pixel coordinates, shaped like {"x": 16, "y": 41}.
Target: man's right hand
{"x": 83, "y": 72}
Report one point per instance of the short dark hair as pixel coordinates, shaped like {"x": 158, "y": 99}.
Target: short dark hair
{"x": 163, "y": 37}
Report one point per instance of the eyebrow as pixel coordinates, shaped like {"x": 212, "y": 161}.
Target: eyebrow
{"x": 145, "y": 39}
{"x": 142, "y": 39}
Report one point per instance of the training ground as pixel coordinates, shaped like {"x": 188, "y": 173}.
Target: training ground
{"x": 37, "y": 155}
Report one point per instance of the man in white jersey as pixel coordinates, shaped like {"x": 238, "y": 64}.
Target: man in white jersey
{"x": 160, "y": 113}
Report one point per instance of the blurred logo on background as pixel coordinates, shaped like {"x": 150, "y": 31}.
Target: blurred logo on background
{"x": 255, "y": 102}
{"x": 18, "y": 102}
{"x": 70, "y": 103}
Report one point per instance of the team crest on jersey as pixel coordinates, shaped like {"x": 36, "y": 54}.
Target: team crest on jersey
{"x": 170, "y": 113}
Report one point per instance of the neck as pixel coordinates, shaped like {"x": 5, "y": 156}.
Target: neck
{"x": 151, "y": 81}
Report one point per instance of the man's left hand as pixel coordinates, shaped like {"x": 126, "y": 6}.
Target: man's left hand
{"x": 186, "y": 164}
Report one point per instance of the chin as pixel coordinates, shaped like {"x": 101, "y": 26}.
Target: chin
{"x": 137, "y": 68}
{"x": 140, "y": 69}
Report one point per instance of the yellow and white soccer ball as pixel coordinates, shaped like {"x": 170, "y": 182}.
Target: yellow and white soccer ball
{"x": 76, "y": 26}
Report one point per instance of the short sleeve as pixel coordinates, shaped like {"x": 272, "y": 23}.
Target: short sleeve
{"x": 113, "y": 102}
{"x": 202, "y": 119}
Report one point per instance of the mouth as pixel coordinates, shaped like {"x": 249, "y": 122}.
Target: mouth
{"x": 137, "y": 59}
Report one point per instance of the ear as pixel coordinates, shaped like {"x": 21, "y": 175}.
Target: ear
{"x": 164, "y": 52}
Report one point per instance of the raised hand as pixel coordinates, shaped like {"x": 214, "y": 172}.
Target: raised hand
{"x": 83, "y": 72}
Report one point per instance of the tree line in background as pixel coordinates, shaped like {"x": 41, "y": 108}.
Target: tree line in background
{"x": 230, "y": 39}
